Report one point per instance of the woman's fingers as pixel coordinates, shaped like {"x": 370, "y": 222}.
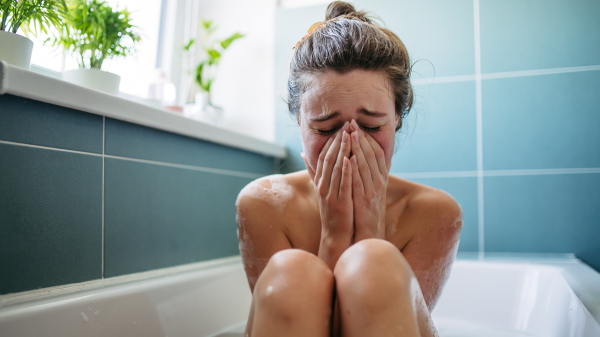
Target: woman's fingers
{"x": 322, "y": 155}
{"x": 330, "y": 160}
{"x": 369, "y": 155}
{"x": 336, "y": 175}
{"x": 346, "y": 183}
{"x": 358, "y": 190}
{"x": 363, "y": 167}
{"x": 311, "y": 173}
{"x": 379, "y": 154}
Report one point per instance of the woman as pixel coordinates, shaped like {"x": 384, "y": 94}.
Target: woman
{"x": 343, "y": 248}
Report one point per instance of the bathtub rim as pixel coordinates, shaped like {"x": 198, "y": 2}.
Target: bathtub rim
{"x": 581, "y": 278}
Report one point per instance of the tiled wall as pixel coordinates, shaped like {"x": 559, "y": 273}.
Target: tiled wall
{"x": 510, "y": 125}
{"x": 84, "y": 197}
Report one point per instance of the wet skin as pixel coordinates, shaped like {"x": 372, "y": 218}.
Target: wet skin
{"x": 348, "y": 122}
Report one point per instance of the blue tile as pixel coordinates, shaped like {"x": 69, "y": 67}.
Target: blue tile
{"x": 539, "y": 34}
{"x": 544, "y": 213}
{"x": 135, "y": 141}
{"x": 157, "y": 216}
{"x": 439, "y": 134}
{"x": 288, "y": 132}
{"x": 538, "y": 122}
{"x": 464, "y": 191}
{"x": 51, "y": 218}
{"x": 436, "y": 31}
{"x": 23, "y": 120}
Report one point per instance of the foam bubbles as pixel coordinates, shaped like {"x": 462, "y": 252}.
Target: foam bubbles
{"x": 276, "y": 193}
{"x": 252, "y": 264}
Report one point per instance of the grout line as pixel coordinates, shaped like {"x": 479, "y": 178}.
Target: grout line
{"x": 506, "y": 74}
{"x": 479, "y": 128}
{"x": 549, "y": 71}
{"x": 494, "y": 173}
{"x": 193, "y": 168}
{"x": 444, "y": 174}
{"x": 103, "y": 146}
{"x": 50, "y": 148}
{"x": 442, "y": 79}
{"x": 535, "y": 172}
{"x": 406, "y": 175}
{"x": 181, "y": 166}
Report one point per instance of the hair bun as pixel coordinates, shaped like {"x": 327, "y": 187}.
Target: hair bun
{"x": 341, "y": 8}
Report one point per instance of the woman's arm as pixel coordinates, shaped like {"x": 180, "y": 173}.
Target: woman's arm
{"x": 432, "y": 248}
{"x": 333, "y": 186}
{"x": 260, "y": 227}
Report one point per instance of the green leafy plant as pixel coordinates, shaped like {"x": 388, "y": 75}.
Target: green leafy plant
{"x": 95, "y": 32}
{"x": 212, "y": 50}
{"x": 31, "y": 16}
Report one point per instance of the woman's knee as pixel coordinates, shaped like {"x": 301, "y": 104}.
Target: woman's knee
{"x": 375, "y": 273}
{"x": 293, "y": 280}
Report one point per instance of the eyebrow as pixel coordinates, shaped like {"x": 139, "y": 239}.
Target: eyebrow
{"x": 326, "y": 117}
{"x": 372, "y": 113}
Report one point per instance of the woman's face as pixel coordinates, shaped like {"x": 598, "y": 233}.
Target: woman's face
{"x": 333, "y": 99}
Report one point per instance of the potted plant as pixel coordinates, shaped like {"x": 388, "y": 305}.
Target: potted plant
{"x": 31, "y": 16}
{"x": 96, "y": 32}
{"x": 205, "y": 72}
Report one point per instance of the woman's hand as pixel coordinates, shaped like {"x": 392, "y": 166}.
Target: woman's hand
{"x": 369, "y": 185}
{"x": 333, "y": 185}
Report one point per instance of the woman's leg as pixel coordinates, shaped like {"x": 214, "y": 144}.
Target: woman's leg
{"x": 293, "y": 297}
{"x": 378, "y": 293}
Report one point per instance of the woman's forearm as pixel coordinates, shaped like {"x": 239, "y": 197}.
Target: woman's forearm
{"x": 331, "y": 248}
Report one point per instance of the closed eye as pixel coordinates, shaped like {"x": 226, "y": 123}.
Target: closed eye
{"x": 327, "y": 132}
{"x": 375, "y": 129}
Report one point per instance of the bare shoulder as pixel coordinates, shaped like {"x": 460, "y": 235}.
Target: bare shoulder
{"x": 272, "y": 194}
{"x": 430, "y": 205}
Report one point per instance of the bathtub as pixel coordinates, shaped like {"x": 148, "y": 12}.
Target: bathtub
{"x": 491, "y": 296}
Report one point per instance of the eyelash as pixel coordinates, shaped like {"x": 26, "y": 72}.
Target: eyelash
{"x": 332, "y": 131}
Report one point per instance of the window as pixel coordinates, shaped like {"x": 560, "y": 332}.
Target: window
{"x": 136, "y": 71}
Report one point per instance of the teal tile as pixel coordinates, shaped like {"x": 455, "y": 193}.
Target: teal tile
{"x": 544, "y": 214}
{"x": 464, "y": 191}
{"x": 540, "y": 122}
{"x": 158, "y": 216}
{"x": 437, "y": 33}
{"x": 27, "y": 121}
{"x": 135, "y": 141}
{"x": 539, "y": 34}
{"x": 287, "y": 132}
{"x": 51, "y": 218}
{"x": 439, "y": 134}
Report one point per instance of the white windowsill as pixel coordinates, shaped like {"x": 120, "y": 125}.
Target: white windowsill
{"x": 29, "y": 84}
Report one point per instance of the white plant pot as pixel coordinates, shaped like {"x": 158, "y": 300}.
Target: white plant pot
{"x": 94, "y": 79}
{"x": 15, "y": 49}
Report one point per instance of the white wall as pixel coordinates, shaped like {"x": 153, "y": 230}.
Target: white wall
{"x": 244, "y": 85}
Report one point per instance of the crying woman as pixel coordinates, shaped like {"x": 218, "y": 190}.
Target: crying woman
{"x": 343, "y": 248}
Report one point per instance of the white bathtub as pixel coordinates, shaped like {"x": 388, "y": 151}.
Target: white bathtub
{"x": 492, "y": 297}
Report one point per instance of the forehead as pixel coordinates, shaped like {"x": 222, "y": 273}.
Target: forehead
{"x": 358, "y": 88}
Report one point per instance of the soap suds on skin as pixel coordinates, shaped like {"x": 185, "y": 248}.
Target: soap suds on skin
{"x": 252, "y": 265}
{"x": 277, "y": 194}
